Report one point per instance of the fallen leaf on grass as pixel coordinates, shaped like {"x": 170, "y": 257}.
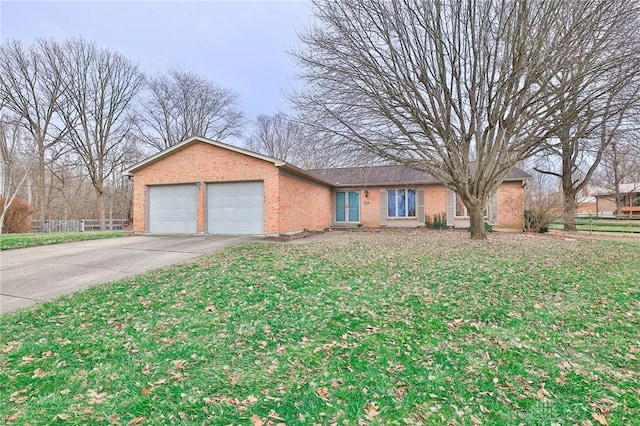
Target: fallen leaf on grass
{"x": 95, "y": 397}
{"x": 232, "y": 379}
{"x": 61, "y": 416}
{"x": 145, "y": 391}
{"x": 38, "y": 373}
{"x": 371, "y": 410}
{"x": 600, "y": 418}
{"x": 541, "y": 396}
{"x": 27, "y": 359}
{"x": 256, "y": 420}
{"x": 10, "y": 346}
{"x": 11, "y": 417}
{"x": 322, "y": 393}
{"x": 250, "y": 400}
{"x": 453, "y": 325}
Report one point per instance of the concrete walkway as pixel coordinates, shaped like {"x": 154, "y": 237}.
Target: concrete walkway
{"x": 36, "y": 274}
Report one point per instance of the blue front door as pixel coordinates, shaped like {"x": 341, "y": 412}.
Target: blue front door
{"x": 347, "y": 206}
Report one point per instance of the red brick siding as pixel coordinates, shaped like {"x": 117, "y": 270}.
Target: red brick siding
{"x": 435, "y": 200}
{"x": 370, "y": 213}
{"x": 303, "y": 205}
{"x": 510, "y": 206}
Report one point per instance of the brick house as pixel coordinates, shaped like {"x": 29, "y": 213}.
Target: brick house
{"x": 204, "y": 186}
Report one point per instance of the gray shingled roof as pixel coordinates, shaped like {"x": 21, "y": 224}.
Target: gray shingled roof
{"x": 388, "y": 175}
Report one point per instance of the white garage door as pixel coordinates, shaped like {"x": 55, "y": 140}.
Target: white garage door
{"x": 235, "y": 208}
{"x": 172, "y": 209}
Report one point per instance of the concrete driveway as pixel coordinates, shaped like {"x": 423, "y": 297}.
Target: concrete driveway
{"x": 32, "y": 275}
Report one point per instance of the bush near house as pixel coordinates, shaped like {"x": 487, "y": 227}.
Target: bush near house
{"x": 437, "y": 221}
{"x": 538, "y": 220}
{"x": 18, "y": 217}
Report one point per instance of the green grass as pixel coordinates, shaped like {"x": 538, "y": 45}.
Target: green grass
{"x": 16, "y": 241}
{"x": 406, "y": 327}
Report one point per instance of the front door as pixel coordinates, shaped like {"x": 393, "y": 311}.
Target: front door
{"x": 347, "y": 206}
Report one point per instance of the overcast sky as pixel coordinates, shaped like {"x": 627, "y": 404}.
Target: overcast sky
{"x": 238, "y": 44}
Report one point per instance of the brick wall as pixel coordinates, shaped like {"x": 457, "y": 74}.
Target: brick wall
{"x": 370, "y": 208}
{"x": 303, "y": 205}
{"x": 435, "y": 200}
{"x": 510, "y": 206}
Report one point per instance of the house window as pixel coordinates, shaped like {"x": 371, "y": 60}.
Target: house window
{"x": 401, "y": 202}
{"x": 460, "y": 210}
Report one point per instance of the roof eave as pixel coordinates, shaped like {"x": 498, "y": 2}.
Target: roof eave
{"x": 159, "y": 155}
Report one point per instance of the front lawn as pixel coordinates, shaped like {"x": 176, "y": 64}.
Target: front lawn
{"x": 16, "y": 241}
{"x": 400, "y": 327}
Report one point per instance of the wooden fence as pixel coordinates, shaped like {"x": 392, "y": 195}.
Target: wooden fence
{"x": 79, "y": 225}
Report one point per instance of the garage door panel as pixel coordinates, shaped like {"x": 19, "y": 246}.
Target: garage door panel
{"x": 235, "y": 208}
{"x": 172, "y": 209}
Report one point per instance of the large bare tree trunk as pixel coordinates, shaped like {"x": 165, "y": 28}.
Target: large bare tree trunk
{"x": 569, "y": 213}
{"x": 476, "y": 217}
{"x": 101, "y": 209}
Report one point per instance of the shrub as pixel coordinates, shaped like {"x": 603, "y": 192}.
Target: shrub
{"x": 488, "y": 227}
{"x": 437, "y": 221}
{"x": 537, "y": 221}
{"x": 18, "y": 217}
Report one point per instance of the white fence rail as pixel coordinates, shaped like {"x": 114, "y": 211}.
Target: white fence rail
{"x": 79, "y": 225}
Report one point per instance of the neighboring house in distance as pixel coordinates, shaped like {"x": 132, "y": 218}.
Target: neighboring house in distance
{"x": 630, "y": 201}
{"x": 204, "y": 186}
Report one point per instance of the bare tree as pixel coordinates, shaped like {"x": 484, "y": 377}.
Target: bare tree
{"x": 461, "y": 89}
{"x": 31, "y": 85}
{"x": 277, "y": 137}
{"x": 598, "y": 94}
{"x": 182, "y": 104}
{"x": 100, "y": 87}
{"x": 281, "y": 137}
{"x": 13, "y": 170}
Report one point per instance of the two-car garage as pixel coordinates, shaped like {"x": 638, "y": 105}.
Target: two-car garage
{"x": 231, "y": 208}
{"x": 200, "y": 186}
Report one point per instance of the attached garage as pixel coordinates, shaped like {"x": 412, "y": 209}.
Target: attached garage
{"x": 172, "y": 209}
{"x": 235, "y": 208}
{"x": 200, "y": 186}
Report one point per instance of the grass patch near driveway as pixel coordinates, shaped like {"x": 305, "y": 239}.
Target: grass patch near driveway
{"x": 17, "y": 241}
{"x": 400, "y": 327}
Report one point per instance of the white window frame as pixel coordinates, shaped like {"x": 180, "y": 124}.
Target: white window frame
{"x": 406, "y": 203}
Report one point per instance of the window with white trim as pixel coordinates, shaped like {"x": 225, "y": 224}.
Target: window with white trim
{"x": 460, "y": 210}
{"x": 401, "y": 202}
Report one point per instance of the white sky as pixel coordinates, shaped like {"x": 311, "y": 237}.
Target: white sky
{"x": 238, "y": 44}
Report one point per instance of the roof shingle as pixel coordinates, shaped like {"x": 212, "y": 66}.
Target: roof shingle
{"x": 388, "y": 175}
